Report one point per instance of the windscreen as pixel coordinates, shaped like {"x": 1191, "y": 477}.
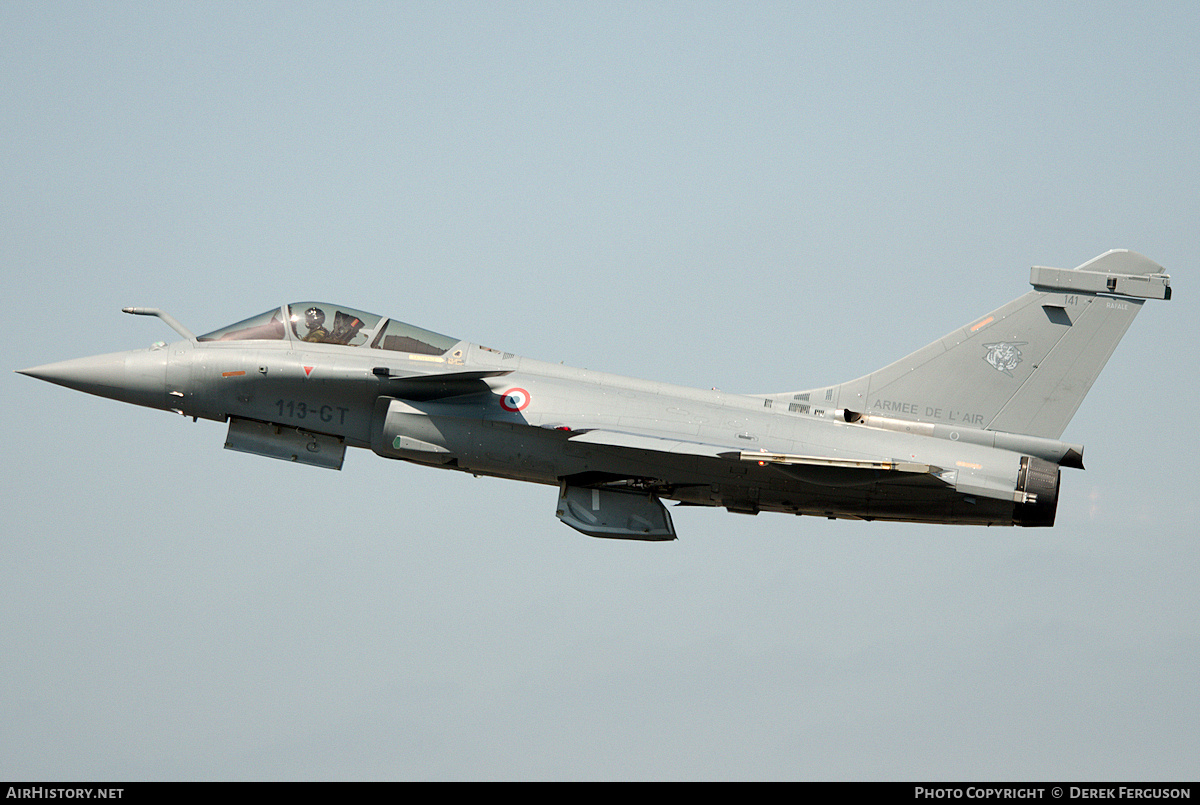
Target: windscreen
{"x": 264, "y": 326}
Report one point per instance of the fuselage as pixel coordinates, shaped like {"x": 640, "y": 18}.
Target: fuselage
{"x": 546, "y": 423}
{"x": 962, "y": 431}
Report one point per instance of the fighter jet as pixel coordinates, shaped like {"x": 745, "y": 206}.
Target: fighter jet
{"x": 963, "y": 431}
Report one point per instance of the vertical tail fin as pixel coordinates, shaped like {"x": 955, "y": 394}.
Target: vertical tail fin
{"x": 1023, "y": 368}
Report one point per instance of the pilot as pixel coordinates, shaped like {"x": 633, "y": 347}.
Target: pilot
{"x": 314, "y": 319}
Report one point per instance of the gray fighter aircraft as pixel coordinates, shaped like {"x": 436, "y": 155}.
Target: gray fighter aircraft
{"x": 965, "y": 430}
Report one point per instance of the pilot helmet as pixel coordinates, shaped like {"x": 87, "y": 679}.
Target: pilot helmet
{"x": 314, "y": 317}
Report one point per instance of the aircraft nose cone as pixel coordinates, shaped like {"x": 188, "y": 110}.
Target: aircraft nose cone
{"x": 137, "y": 377}
{"x": 100, "y": 374}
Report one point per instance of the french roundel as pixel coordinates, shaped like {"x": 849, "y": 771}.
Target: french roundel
{"x": 514, "y": 400}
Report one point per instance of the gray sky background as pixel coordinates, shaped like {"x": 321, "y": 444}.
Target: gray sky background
{"x": 758, "y": 197}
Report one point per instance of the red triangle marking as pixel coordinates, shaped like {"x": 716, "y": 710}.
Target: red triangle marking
{"x": 307, "y": 371}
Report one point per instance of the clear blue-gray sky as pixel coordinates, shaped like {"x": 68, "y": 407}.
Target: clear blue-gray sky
{"x": 757, "y": 197}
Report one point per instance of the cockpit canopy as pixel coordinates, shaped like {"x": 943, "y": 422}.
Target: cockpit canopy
{"x": 323, "y": 323}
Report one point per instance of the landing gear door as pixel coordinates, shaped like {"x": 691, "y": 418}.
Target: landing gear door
{"x": 614, "y": 514}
